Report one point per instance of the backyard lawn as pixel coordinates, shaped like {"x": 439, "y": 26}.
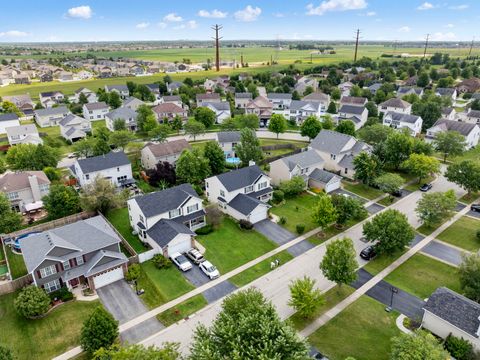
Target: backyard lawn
{"x": 297, "y": 210}
{"x": 228, "y": 247}
{"x": 182, "y": 310}
{"x": 16, "y": 264}
{"x": 120, "y": 220}
{"x": 363, "y": 330}
{"x": 362, "y": 190}
{"x": 42, "y": 338}
{"x": 421, "y": 275}
{"x": 462, "y": 233}
{"x": 161, "y": 285}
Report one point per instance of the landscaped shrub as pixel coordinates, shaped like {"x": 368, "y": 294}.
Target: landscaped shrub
{"x": 207, "y": 229}
{"x": 161, "y": 262}
{"x": 32, "y": 302}
{"x": 293, "y": 187}
{"x": 133, "y": 272}
{"x": 245, "y": 224}
{"x": 99, "y": 330}
{"x": 283, "y": 220}
{"x": 62, "y": 294}
{"x": 278, "y": 196}
{"x": 300, "y": 228}
{"x": 459, "y": 348}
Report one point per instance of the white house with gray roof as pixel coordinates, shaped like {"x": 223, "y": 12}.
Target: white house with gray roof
{"x": 471, "y": 132}
{"x": 450, "y": 93}
{"x": 409, "y": 90}
{"x": 133, "y": 103}
{"x": 121, "y": 90}
{"x": 23, "y": 134}
{"x": 128, "y": 115}
{"x": 221, "y": 110}
{"x": 323, "y": 99}
{"x": 169, "y": 151}
{"x": 166, "y": 219}
{"x": 228, "y": 140}
{"x": 280, "y": 101}
{"x": 95, "y": 111}
{"x": 396, "y": 105}
{"x": 73, "y": 127}
{"x": 357, "y": 114}
{"x": 8, "y": 120}
{"x": 447, "y": 312}
{"x": 50, "y": 116}
{"x": 86, "y": 252}
{"x": 25, "y": 189}
{"x": 241, "y": 193}
{"x": 242, "y": 99}
{"x": 114, "y": 166}
{"x": 299, "y": 110}
{"x": 401, "y": 121}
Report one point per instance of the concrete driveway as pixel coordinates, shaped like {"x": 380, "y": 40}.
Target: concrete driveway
{"x": 374, "y": 208}
{"x": 475, "y": 214}
{"x": 274, "y": 232}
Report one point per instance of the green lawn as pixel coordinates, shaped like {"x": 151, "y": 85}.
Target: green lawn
{"x": 363, "y": 330}
{"x": 421, "y": 275}
{"x": 332, "y": 297}
{"x": 43, "y": 338}
{"x": 462, "y": 233}
{"x": 228, "y": 247}
{"x": 381, "y": 262}
{"x": 16, "y": 264}
{"x": 469, "y": 198}
{"x": 416, "y": 185}
{"x": 362, "y": 190}
{"x": 120, "y": 220}
{"x": 297, "y": 210}
{"x": 256, "y": 271}
{"x": 162, "y": 285}
{"x": 277, "y": 152}
{"x": 330, "y": 232}
{"x": 427, "y": 230}
{"x": 182, "y": 310}
{"x": 2, "y": 254}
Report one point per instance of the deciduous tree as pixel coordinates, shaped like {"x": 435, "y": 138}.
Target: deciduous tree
{"x": 421, "y": 166}
{"x": 247, "y": 121}
{"x": 248, "y": 149}
{"x": 465, "y": 174}
{"x": 310, "y": 127}
{"x": 375, "y": 134}
{"x": 294, "y": 186}
{"x": 216, "y": 158}
{"x": 99, "y": 330}
{"x": 449, "y": 143}
{"x": 277, "y": 124}
{"x": 339, "y": 263}
{"x": 346, "y": 127}
{"x": 121, "y": 138}
{"x": 204, "y": 115}
{"x": 159, "y": 133}
{"x": 61, "y": 201}
{"x": 435, "y": 207}
{"x": 32, "y": 302}
{"x": 469, "y": 272}
{"x": 418, "y": 346}
{"x": 348, "y": 208}
{"x": 304, "y": 297}
{"x": 367, "y": 167}
{"x": 163, "y": 173}
{"x": 389, "y": 183}
{"x": 32, "y": 157}
{"x": 169, "y": 351}
{"x": 192, "y": 167}
{"x": 397, "y": 149}
{"x": 194, "y": 128}
{"x": 323, "y": 212}
{"x": 9, "y": 220}
{"x": 101, "y": 195}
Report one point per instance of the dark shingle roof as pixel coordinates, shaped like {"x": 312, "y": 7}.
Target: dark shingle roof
{"x": 357, "y": 100}
{"x": 316, "y": 96}
{"x": 244, "y": 204}
{"x": 445, "y": 91}
{"x": 412, "y": 119}
{"x": 283, "y": 96}
{"x": 103, "y": 162}
{"x": 96, "y": 105}
{"x": 463, "y": 128}
{"x": 330, "y": 141}
{"x": 228, "y": 136}
{"x": 8, "y": 117}
{"x": 396, "y": 102}
{"x": 240, "y": 178}
{"x": 212, "y": 96}
{"x": 351, "y": 109}
{"x": 165, "y": 230}
{"x": 303, "y": 159}
{"x": 245, "y": 95}
{"x": 322, "y": 176}
{"x": 168, "y": 147}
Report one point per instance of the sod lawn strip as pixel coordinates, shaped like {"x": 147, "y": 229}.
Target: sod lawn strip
{"x": 462, "y": 233}
{"x": 182, "y": 310}
{"x": 380, "y": 262}
{"x": 363, "y": 190}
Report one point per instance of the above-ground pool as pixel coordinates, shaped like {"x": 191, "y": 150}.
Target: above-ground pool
{"x": 233, "y": 160}
{"x": 16, "y": 244}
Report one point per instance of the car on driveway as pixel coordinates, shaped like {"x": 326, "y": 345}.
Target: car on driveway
{"x": 475, "y": 207}
{"x": 195, "y": 256}
{"x": 209, "y": 269}
{"x": 425, "y": 187}
{"x": 368, "y": 253}
{"x": 181, "y": 261}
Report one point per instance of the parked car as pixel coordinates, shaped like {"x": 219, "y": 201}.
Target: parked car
{"x": 475, "y": 207}
{"x": 368, "y": 253}
{"x": 425, "y": 187}
{"x": 181, "y": 261}
{"x": 195, "y": 255}
{"x": 397, "y": 193}
{"x": 319, "y": 356}
{"x": 209, "y": 269}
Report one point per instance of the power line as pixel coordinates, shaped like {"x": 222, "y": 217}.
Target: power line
{"x": 356, "y": 45}
{"x": 217, "y": 28}
{"x": 426, "y": 45}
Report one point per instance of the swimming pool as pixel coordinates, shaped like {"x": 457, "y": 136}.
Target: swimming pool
{"x": 233, "y": 160}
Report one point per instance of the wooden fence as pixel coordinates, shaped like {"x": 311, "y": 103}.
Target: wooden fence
{"x": 16, "y": 284}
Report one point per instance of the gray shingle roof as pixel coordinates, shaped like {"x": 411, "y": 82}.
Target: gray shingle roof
{"x": 282, "y": 96}
{"x": 8, "y": 117}
{"x": 14, "y": 181}
{"x": 474, "y": 113}
{"x": 228, "y": 136}
{"x": 165, "y": 230}
{"x": 245, "y": 95}
{"x": 407, "y": 89}
{"x": 220, "y": 105}
{"x": 322, "y": 176}
{"x": 240, "y": 178}
{"x": 456, "y": 309}
{"x": 412, "y": 119}
{"x": 301, "y": 104}
{"x": 351, "y": 109}
{"x": 445, "y": 91}
{"x": 330, "y": 141}
{"x": 245, "y": 204}
{"x": 168, "y": 147}
{"x": 463, "y": 128}
{"x": 29, "y": 129}
{"x": 357, "y": 100}
{"x": 103, "y": 162}
{"x": 396, "y": 102}
{"x": 123, "y": 113}
{"x": 171, "y": 98}
{"x": 161, "y": 201}
{"x": 71, "y": 119}
{"x": 303, "y": 159}
{"x": 212, "y": 96}
{"x": 96, "y": 105}
{"x": 347, "y": 161}
{"x": 52, "y": 111}
{"x": 316, "y": 96}
{"x": 120, "y": 88}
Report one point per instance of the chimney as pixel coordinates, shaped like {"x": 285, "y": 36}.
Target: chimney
{"x": 32, "y": 179}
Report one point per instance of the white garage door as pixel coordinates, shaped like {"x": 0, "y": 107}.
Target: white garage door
{"x": 332, "y": 186}
{"x": 259, "y": 214}
{"x": 181, "y": 247}
{"x": 108, "y": 277}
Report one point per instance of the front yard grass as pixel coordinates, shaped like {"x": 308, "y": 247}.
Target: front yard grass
{"x": 182, "y": 310}
{"x": 119, "y": 219}
{"x": 161, "y": 285}
{"x": 416, "y": 185}
{"x": 469, "y": 198}
{"x": 382, "y": 261}
{"x": 43, "y": 338}
{"x": 16, "y": 264}
{"x": 427, "y": 230}
{"x": 228, "y": 246}
{"x": 362, "y": 190}
{"x": 462, "y": 233}
{"x": 256, "y": 271}
{"x": 421, "y": 275}
{"x": 363, "y": 330}
{"x": 297, "y": 210}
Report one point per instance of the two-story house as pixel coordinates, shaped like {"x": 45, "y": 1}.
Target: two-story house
{"x": 449, "y": 113}
{"x": 174, "y": 99}
{"x": 166, "y": 219}
{"x": 126, "y": 114}
{"x": 221, "y": 110}
{"x": 73, "y": 127}
{"x": 89, "y": 95}
{"x": 121, "y": 90}
{"x": 280, "y": 102}
{"x": 409, "y": 90}
{"x": 301, "y": 164}
{"x": 472, "y": 116}
{"x": 50, "y": 98}
{"x": 114, "y": 166}
{"x": 228, "y": 140}
{"x": 207, "y": 98}
{"x": 51, "y": 116}
{"x": 166, "y": 112}
{"x": 300, "y": 110}
{"x": 133, "y": 103}
{"x": 357, "y": 114}
{"x": 170, "y": 151}
{"x": 471, "y": 132}
{"x": 396, "y": 105}
{"x": 25, "y": 190}
{"x": 353, "y": 100}
{"x": 450, "y": 93}
{"x": 8, "y": 120}
{"x": 261, "y": 107}
{"x": 242, "y": 99}
{"x": 319, "y": 97}
{"x": 403, "y": 121}
{"x": 86, "y": 252}
{"x": 95, "y": 111}
{"x": 23, "y": 102}
{"x": 241, "y": 193}
{"x": 23, "y": 134}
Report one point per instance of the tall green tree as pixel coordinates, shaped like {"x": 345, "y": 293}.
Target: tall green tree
{"x": 469, "y": 272}
{"x": 397, "y": 149}
{"x": 61, "y": 201}
{"x": 389, "y": 183}
{"x": 192, "y": 167}
{"x": 339, "y": 264}
{"x": 9, "y": 220}
{"x": 121, "y": 138}
{"x": 375, "y": 134}
{"x": 304, "y": 297}
{"x": 332, "y": 108}
{"x": 421, "y": 166}
{"x": 435, "y": 207}
{"x": 346, "y": 127}
{"x": 144, "y": 112}
{"x": 101, "y": 195}
{"x": 248, "y": 149}
{"x": 194, "y": 128}
{"x": 418, "y": 346}
{"x": 449, "y": 143}
{"x": 247, "y": 121}
{"x": 177, "y": 124}
{"x": 277, "y": 124}
{"x": 32, "y": 157}
{"x": 32, "y": 302}
{"x": 348, "y": 208}
{"x": 84, "y": 148}
{"x": 229, "y": 124}
{"x": 216, "y": 158}
{"x": 310, "y": 127}
{"x": 119, "y": 124}
{"x": 100, "y": 330}
{"x": 160, "y": 133}
{"x": 205, "y": 115}
{"x": 465, "y": 174}
{"x": 323, "y": 212}
{"x": 367, "y": 167}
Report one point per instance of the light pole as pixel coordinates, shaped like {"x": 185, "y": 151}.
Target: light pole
{"x": 393, "y": 290}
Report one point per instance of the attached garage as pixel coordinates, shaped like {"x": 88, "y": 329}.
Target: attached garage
{"x": 324, "y": 180}
{"x": 244, "y": 207}
{"x": 108, "y": 277}
{"x": 168, "y": 236}
{"x": 258, "y": 214}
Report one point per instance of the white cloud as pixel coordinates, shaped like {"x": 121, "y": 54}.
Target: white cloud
{"x": 459, "y": 7}
{"x": 426, "y": 6}
{"x": 192, "y": 24}
{"x": 449, "y": 26}
{"x": 172, "y": 17}
{"x": 371, "y": 13}
{"x": 162, "y": 25}
{"x": 248, "y": 14}
{"x": 142, "y": 25}
{"x": 278, "y": 15}
{"x": 80, "y": 12}
{"x": 214, "y": 14}
{"x": 336, "y": 5}
{"x": 439, "y": 36}
{"x": 404, "y": 29}
{"x": 13, "y": 34}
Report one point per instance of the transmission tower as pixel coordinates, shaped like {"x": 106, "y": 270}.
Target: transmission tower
{"x": 471, "y": 47}
{"x": 426, "y": 46}
{"x": 217, "y": 28}
{"x": 356, "y": 45}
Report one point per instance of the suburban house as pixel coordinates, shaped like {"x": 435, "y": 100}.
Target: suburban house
{"x": 8, "y": 120}
{"x": 396, "y": 105}
{"x": 174, "y": 85}
{"x": 305, "y": 82}
{"x": 86, "y": 252}
{"x": 221, "y": 110}
{"x": 468, "y": 85}
{"x": 168, "y": 151}
{"x": 374, "y": 88}
{"x": 46, "y": 77}
{"x": 122, "y": 90}
{"x": 168, "y": 111}
{"x": 300, "y": 110}
{"x": 73, "y": 127}
{"x": 319, "y": 97}
{"x": 133, "y": 103}
{"x": 280, "y": 102}
{"x": 447, "y": 312}
{"x": 23, "y": 102}
{"x": 23, "y": 134}
{"x": 95, "y": 111}
{"x": 449, "y": 113}
{"x": 324, "y": 180}
{"x": 25, "y": 190}
{"x": 447, "y": 92}
{"x": 472, "y": 116}
{"x": 408, "y": 90}
{"x": 166, "y": 219}
{"x": 207, "y": 98}
{"x": 242, "y": 99}
{"x": 173, "y": 99}
{"x": 122, "y": 113}
{"x": 241, "y": 193}
{"x": 398, "y": 120}
{"x": 357, "y": 114}
{"x": 353, "y": 100}
{"x": 338, "y": 150}
{"x": 51, "y": 116}
{"x": 48, "y": 99}
{"x": 471, "y": 132}
{"x": 114, "y": 166}
{"x": 89, "y": 94}
{"x": 345, "y": 88}
{"x": 261, "y": 107}
{"x": 227, "y": 141}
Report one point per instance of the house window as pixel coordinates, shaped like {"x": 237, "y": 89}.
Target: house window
{"x": 346, "y": 170}
{"x": 118, "y": 169}
{"x": 52, "y": 286}
{"x": 79, "y": 260}
{"x": 192, "y": 208}
{"x": 87, "y": 177}
{"x": 262, "y": 185}
{"x": 12, "y": 195}
{"x": 47, "y": 271}
{"x": 333, "y": 156}
{"x": 248, "y": 189}
{"x": 141, "y": 219}
{"x": 44, "y": 187}
{"x": 66, "y": 265}
{"x": 206, "y": 185}
{"x": 222, "y": 193}
{"x": 174, "y": 213}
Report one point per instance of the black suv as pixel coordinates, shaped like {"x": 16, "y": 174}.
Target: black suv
{"x": 368, "y": 253}
{"x": 425, "y": 187}
{"x": 475, "y": 207}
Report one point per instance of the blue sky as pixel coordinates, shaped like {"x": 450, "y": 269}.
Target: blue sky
{"x": 111, "y": 20}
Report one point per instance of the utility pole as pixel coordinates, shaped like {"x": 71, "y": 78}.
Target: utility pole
{"x": 217, "y": 28}
{"x": 356, "y": 45}
{"x": 426, "y": 45}
{"x": 471, "y": 47}
{"x": 395, "y": 47}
